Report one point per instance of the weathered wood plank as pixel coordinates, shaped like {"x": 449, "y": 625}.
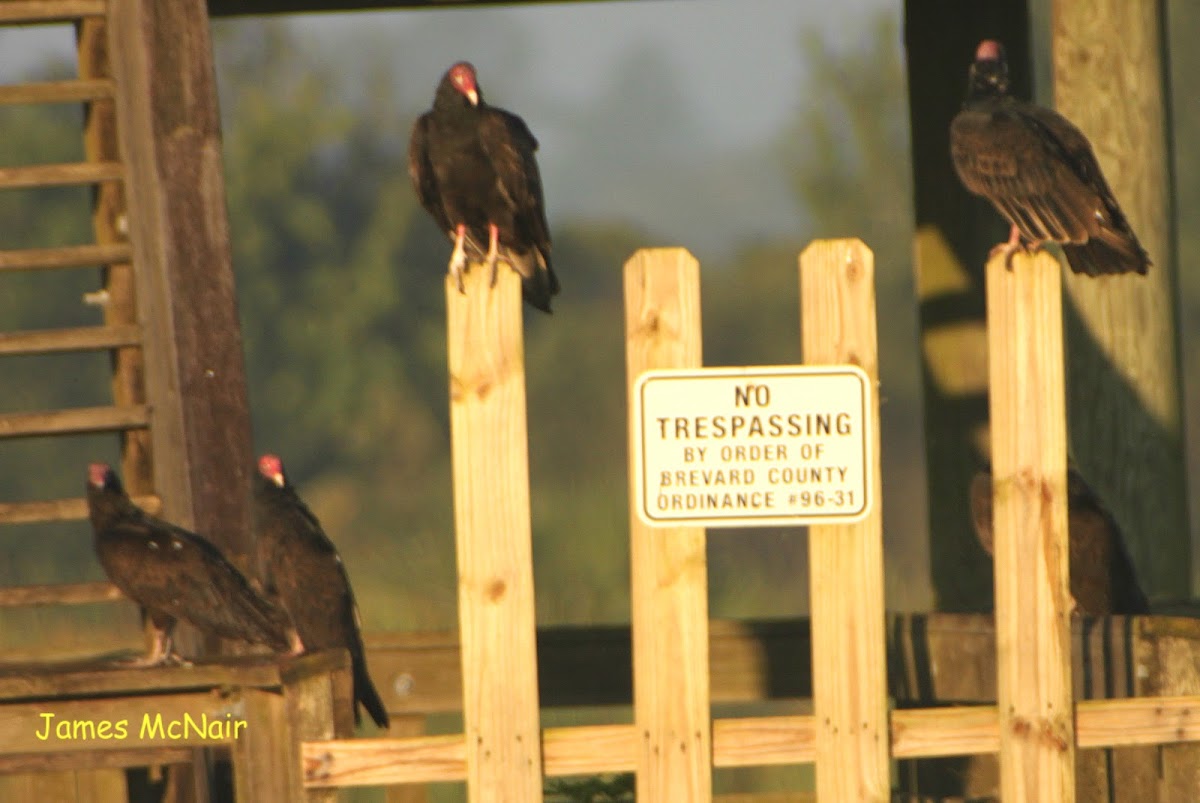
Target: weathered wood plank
{"x": 1029, "y": 467}
{"x": 57, "y": 91}
{"x": 57, "y": 175}
{"x": 668, "y": 566}
{"x": 837, "y": 316}
{"x": 22, "y": 12}
{"x": 403, "y": 727}
{"x": 71, "y": 256}
{"x": 73, "y": 422}
{"x": 54, "y": 341}
{"x": 92, "y": 759}
{"x": 1122, "y": 333}
{"x": 493, "y": 539}
{"x": 59, "y": 594}
{"x": 60, "y": 510}
{"x": 169, "y": 132}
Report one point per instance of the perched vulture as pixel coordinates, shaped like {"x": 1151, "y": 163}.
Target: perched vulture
{"x": 1039, "y": 171}
{"x": 175, "y": 574}
{"x": 304, "y": 573}
{"x": 474, "y": 170}
{"x": 1102, "y": 577}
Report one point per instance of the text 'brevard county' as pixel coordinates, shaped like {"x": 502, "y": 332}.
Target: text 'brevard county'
{"x": 725, "y": 447}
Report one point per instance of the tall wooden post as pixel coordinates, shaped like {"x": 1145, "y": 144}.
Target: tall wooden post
{"x": 493, "y": 541}
{"x": 169, "y": 133}
{"x": 1029, "y": 469}
{"x": 668, "y": 565}
{"x": 837, "y": 318}
{"x": 1122, "y": 335}
{"x": 955, "y": 230}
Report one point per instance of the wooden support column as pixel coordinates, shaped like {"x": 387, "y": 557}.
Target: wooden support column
{"x": 170, "y": 140}
{"x": 837, "y": 319}
{"x": 493, "y": 541}
{"x": 1123, "y": 381}
{"x": 1029, "y": 469}
{"x": 668, "y": 569}
{"x": 955, "y": 230}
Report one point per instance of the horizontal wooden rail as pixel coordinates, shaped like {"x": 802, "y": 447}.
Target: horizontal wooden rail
{"x": 57, "y": 91}
{"x": 27, "y": 12}
{"x": 59, "y": 594}
{"x": 758, "y": 741}
{"x": 56, "y": 175}
{"x": 70, "y": 256}
{"x": 94, "y": 759}
{"x": 73, "y": 422}
{"x": 60, "y": 510}
{"x": 50, "y": 341}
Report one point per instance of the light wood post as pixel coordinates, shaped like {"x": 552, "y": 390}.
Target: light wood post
{"x": 490, "y": 455}
{"x": 668, "y": 570}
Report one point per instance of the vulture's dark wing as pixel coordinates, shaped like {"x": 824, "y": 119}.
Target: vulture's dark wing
{"x": 511, "y": 147}
{"x": 421, "y": 171}
{"x": 188, "y": 577}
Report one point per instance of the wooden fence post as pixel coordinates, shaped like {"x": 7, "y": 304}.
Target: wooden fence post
{"x": 1029, "y": 469}
{"x": 837, "y": 320}
{"x": 490, "y": 454}
{"x": 668, "y": 572}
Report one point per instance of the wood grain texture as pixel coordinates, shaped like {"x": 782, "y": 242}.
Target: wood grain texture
{"x": 57, "y": 91}
{"x": 169, "y": 136}
{"x": 18, "y": 12}
{"x": 1029, "y": 467}
{"x": 490, "y": 461}
{"x": 1124, "y": 390}
{"x": 70, "y": 256}
{"x": 837, "y": 319}
{"x": 668, "y": 565}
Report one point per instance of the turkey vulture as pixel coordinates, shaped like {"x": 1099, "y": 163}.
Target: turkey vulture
{"x": 304, "y": 574}
{"x": 474, "y": 170}
{"x": 175, "y": 574}
{"x": 1102, "y": 577}
{"x": 1039, "y": 171}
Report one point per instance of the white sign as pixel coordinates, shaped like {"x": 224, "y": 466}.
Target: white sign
{"x": 756, "y": 446}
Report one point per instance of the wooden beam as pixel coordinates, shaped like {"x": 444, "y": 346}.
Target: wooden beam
{"x": 954, "y": 231}
{"x": 59, "y": 594}
{"x": 61, "y": 510}
{"x": 169, "y": 135}
{"x": 73, "y": 422}
{"x": 1124, "y": 387}
{"x": 493, "y": 538}
{"x": 33, "y": 12}
{"x": 837, "y": 317}
{"x": 230, "y": 8}
{"x": 92, "y": 759}
{"x": 54, "y": 341}
{"x": 56, "y": 175}
{"x": 57, "y": 91}
{"x": 668, "y": 565}
{"x": 1029, "y": 469}
{"x": 71, "y": 256}
{"x": 744, "y": 742}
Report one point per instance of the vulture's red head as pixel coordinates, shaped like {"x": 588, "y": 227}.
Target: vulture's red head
{"x": 989, "y": 73}
{"x": 271, "y": 467}
{"x": 101, "y": 476}
{"x": 462, "y": 77}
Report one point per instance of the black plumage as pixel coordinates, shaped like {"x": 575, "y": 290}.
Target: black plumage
{"x": 1039, "y": 171}
{"x": 303, "y": 572}
{"x": 175, "y": 574}
{"x": 475, "y": 172}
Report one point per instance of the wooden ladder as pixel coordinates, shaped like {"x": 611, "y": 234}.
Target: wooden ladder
{"x": 151, "y": 139}
{"x": 121, "y": 334}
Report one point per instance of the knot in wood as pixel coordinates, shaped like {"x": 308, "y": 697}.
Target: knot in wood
{"x": 496, "y": 590}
